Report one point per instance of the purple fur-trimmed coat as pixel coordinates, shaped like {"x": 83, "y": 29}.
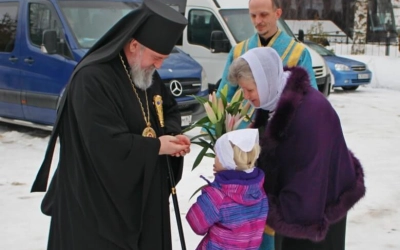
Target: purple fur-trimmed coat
{"x": 311, "y": 177}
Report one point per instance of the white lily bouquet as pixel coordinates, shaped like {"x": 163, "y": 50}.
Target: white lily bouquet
{"x": 221, "y": 117}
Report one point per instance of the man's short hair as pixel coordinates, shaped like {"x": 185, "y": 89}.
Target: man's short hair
{"x": 277, "y": 4}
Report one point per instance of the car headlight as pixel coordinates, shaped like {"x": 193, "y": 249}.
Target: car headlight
{"x": 342, "y": 67}
{"x": 204, "y": 82}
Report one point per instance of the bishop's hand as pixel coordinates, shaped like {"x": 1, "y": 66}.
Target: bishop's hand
{"x": 183, "y": 140}
{"x": 172, "y": 145}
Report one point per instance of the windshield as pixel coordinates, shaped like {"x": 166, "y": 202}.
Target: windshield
{"x": 319, "y": 49}
{"x": 282, "y": 25}
{"x": 90, "y": 20}
{"x": 240, "y": 25}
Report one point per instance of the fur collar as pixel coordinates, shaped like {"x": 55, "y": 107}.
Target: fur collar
{"x": 297, "y": 86}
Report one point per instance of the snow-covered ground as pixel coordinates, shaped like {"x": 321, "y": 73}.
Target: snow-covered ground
{"x": 370, "y": 118}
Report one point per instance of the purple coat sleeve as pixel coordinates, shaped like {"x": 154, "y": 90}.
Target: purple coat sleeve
{"x": 205, "y": 212}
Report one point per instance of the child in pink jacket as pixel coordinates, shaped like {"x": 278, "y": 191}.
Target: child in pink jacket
{"x": 232, "y": 210}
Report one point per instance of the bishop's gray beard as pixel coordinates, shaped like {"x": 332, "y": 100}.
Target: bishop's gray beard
{"x": 142, "y": 78}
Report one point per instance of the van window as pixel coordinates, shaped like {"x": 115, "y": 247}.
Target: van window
{"x": 43, "y": 17}
{"x": 201, "y": 24}
{"x": 239, "y": 23}
{"x": 8, "y": 25}
{"x": 90, "y": 20}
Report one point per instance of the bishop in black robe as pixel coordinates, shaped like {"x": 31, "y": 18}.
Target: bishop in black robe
{"x": 111, "y": 188}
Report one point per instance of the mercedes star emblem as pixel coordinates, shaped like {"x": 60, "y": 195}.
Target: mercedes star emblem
{"x": 176, "y": 88}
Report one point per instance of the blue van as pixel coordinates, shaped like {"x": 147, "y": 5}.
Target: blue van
{"x": 41, "y": 41}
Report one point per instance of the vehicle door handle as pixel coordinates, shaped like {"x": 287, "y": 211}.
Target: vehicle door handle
{"x": 13, "y": 59}
{"x": 29, "y": 60}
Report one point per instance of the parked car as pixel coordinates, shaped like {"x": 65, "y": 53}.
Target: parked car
{"x": 348, "y": 74}
{"x": 42, "y": 41}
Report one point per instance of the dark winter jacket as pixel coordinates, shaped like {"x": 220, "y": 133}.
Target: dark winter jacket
{"x": 311, "y": 178}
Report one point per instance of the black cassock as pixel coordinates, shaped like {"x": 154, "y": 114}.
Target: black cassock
{"x": 111, "y": 189}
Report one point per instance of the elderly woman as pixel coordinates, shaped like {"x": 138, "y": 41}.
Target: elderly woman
{"x": 311, "y": 177}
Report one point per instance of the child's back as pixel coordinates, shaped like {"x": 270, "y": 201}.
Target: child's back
{"x": 233, "y": 209}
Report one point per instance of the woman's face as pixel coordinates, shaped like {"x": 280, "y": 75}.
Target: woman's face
{"x": 250, "y": 92}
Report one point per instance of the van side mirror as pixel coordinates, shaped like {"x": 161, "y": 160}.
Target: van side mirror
{"x": 219, "y": 42}
{"x": 49, "y": 42}
{"x": 301, "y": 35}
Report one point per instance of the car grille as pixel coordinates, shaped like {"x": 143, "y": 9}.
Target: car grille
{"x": 321, "y": 81}
{"x": 360, "y": 80}
{"x": 358, "y": 67}
{"x": 190, "y": 86}
{"x": 318, "y": 71}
{"x": 188, "y": 108}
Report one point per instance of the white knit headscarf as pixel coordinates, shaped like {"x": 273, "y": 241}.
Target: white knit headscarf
{"x": 267, "y": 69}
{"x": 245, "y": 139}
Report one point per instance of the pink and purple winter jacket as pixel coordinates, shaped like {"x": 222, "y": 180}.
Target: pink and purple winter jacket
{"x": 231, "y": 211}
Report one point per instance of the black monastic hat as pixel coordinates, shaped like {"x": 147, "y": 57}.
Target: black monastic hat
{"x": 162, "y": 28}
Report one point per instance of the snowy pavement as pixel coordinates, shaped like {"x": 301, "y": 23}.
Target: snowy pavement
{"x": 371, "y": 122}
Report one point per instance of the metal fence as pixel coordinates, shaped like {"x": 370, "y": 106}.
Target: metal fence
{"x": 342, "y": 45}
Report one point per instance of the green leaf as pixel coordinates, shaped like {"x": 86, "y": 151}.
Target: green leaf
{"x": 234, "y": 108}
{"x": 187, "y": 129}
{"x": 210, "y": 145}
{"x": 231, "y": 108}
{"x": 223, "y": 97}
{"x": 202, "y": 143}
{"x": 211, "y": 155}
{"x": 200, "y": 99}
{"x": 218, "y": 129}
{"x": 211, "y": 134}
{"x": 203, "y": 120}
{"x": 197, "y": 124}
{"x": 199, "y": 158}
{"x": 198, "y": 136}
{"x": 197, "y": 190}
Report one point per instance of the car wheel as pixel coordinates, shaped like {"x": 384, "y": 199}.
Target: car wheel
{"x": 325, "y": 89}
{"x": 350, "y": 88}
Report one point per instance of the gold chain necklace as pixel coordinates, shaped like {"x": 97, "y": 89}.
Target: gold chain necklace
{"x": 148, "y": 131}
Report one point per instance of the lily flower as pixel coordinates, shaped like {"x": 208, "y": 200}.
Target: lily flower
{"x": 224, "y": 90}
{"x": 237, "y": 96}
{"x": 238, "y": 122}
{"x": 245, "y": 109}
{"x": 232, "y": 121}
{"x": 229, "y": 122}
{"x": 210, "y": 113}
{"x": 220, "y": 109}
{"x": 214, "y": 102}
